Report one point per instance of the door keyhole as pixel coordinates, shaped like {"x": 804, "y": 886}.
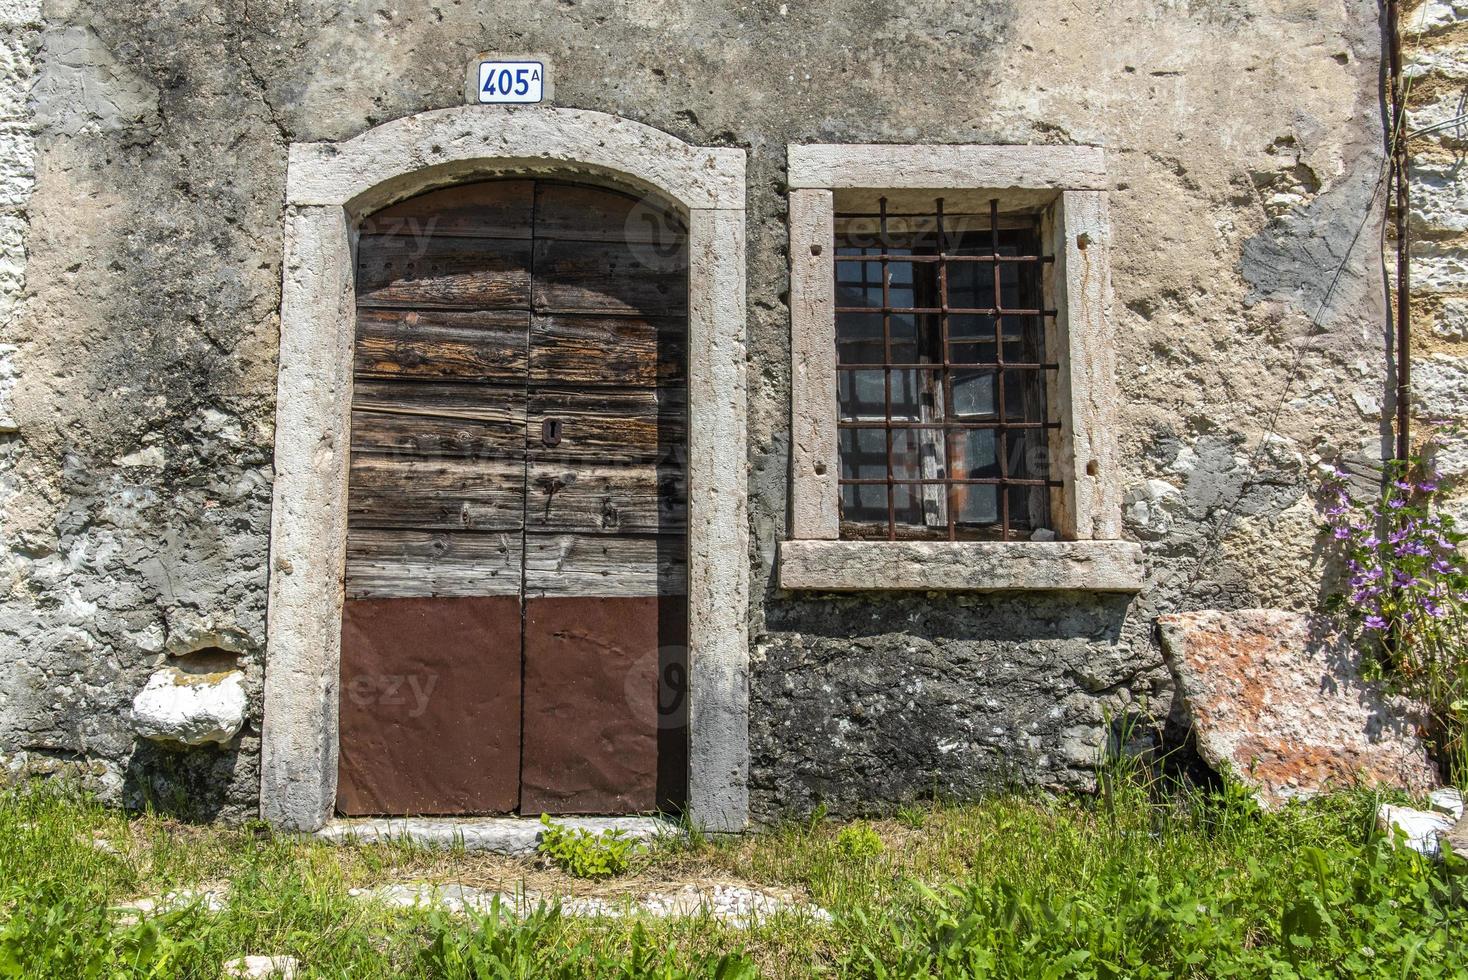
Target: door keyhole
{"x": 550, "y": 432}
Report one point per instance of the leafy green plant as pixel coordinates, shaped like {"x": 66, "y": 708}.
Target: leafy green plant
{"x": 859, "y": 840}
{"x": 912, "y": 816}
{"x": 497, "y": 944}
{"x": 583, "y": 854}
{"x": 58, "y": 932}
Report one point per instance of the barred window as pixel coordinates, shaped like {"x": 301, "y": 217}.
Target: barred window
{"x": 942, "y": 374}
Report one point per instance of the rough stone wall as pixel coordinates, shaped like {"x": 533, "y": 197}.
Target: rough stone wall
{"x": 1244, "y": 140}
{"x": 1435, "y": 42}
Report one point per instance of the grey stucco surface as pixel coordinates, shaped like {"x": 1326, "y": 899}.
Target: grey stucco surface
{"x": 1242, "y": 138}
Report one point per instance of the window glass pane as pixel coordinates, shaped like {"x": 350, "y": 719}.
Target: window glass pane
{"x": 900, "y": 291}
{"x": 864, "y": 455}
{"x": 859, "y": 284}
{"x": 1025, "y": 506}
{"x": 976, "y": 503}
{"x": 909, "y": 393}
{"x": 975, "y": 454}
{"x": 974, "y": 395}
{"x": 964, "y": 327}
{"x": 861, "y": 394}
{"x": 1024, "y": 339}
{"x": 859, "y": 338}
{"x": 917, "y": 454}
{"x": 971, "y": 285}
{"x": 1017, "y": 454}
{"x": 908, "y": 503}
{"x": 906, "y": 337}
{"x": 864, "y": 503}
{"x": 1024, "y": 396}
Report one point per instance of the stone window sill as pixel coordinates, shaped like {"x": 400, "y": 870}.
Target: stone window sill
{"x": 973, "y": 566}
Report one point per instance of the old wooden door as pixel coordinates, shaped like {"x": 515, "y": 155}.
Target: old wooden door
{"x": 514, "y": 634}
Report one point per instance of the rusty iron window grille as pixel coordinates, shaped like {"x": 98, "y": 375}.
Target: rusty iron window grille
{"x": 941, "y": 324}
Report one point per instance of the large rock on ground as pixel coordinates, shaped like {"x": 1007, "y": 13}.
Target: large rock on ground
{"x": 1275, "y": 698}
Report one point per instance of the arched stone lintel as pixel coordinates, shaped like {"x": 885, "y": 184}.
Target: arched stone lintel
{"x": 446, "y": 146}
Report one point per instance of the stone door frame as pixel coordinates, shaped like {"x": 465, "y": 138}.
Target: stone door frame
{"x": 330, "y": 188}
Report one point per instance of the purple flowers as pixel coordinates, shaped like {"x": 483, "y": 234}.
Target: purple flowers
{"x": 1401, "y": 552}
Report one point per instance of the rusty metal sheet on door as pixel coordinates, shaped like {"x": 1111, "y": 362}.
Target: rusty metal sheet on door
{"x": 430, "y": 706}
{"x": 605, "y": 710}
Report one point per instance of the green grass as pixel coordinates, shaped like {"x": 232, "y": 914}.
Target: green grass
{"x": 1130, "y": 883}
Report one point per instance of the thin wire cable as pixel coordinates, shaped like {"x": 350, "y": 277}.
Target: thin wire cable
{"x": 1221, "y": 527}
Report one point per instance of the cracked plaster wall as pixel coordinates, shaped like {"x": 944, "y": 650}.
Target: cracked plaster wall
{"x": 138, "y": 358}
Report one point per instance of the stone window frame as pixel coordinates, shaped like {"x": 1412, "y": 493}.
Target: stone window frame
{"x": 1069, "y": 183}
{"x": 330, "y": 188}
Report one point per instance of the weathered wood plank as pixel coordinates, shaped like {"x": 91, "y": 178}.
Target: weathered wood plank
{"x": 606, "y": 499}
{"x": 387, "y": 564}
{"x": 576, "y": 212}
{"x": 443, "y": 272}
{"x": 607, "y": 425}
{"x": 608, "y": 277}
{"x": 436, "y": 494}
{"x": 475, "y": 403}
{"x": 485, "y": 209}
{"x": 604, "y": 564}
{"x": 574, "y": 349}
{"x": 426, "y": 418}
{"x": 437, "y": 344}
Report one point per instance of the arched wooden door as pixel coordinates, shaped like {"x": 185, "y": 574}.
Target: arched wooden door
{"x": 514, "y": 632}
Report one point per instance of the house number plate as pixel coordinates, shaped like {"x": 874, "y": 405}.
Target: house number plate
{"x": 511, "y": 81}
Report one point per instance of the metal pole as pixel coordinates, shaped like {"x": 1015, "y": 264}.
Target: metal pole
{"x": 1399, "y": 177}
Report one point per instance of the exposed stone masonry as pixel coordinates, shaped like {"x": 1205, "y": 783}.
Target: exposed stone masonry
{"x": 1436, "y": 68}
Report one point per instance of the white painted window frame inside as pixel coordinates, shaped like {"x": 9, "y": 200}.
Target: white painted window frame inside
{"x": 330, "y": 188}
{"x": 1070, "y": 183}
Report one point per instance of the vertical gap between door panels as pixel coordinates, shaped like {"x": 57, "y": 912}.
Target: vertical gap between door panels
{"x": 525, "y": 493}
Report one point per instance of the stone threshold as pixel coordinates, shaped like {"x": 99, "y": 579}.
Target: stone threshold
{"x": 514, "y": 836}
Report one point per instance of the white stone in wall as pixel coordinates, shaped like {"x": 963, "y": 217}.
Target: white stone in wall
{"x": 20, "y": 14}
{"x": 1449, "y": 452}
{"x": 1449, "y": 61}
{"x": 17, "y": 73}
{"x": 17, "y": 166}
{"x": 18, "y": 20}
{"x": 1440, "y": 113}
{"x": 1440, "y": 386}
{"x": 1439, "y": 195}
{"x": 1436, "y": 14}
{"x": 190, "y": 709}
{"x": 1451, "y": 319}
{"x": 7, "y": 384}
{"x": 1149, "y": 510}
{"x": 1439, "y": 267}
